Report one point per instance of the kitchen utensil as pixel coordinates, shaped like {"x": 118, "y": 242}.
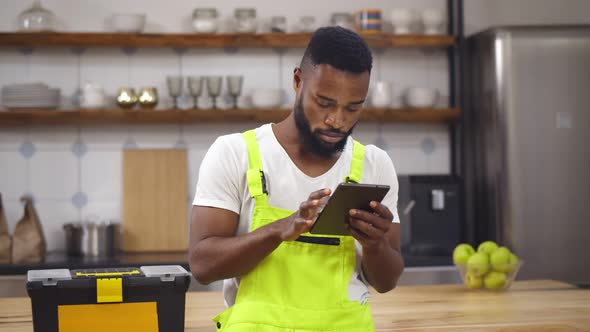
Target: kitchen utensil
{"x": 148, "y": 97}
{"x": 245, "y": 20}
{"x": 28, "y": 241}
{"x": 174, "y": 89}
{"x": 5, "y": 239}
{"x": 95, "y": 239}
{"x": 128, "y": 23}
{"x": 433, "y": 20}
{"x": 126, "y": 98}
{"x": 369, "y": 21}
{"x": 155, "y": 200}
{"x": 267, "y": 98}
{"x": 205, "y": 20}
{"x": 214, "y": 88}
{"x": 36, "y": 19}
{"x": 195, "y": 88}
{"x": 234, "y": 87}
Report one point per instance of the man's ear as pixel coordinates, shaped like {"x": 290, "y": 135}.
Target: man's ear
{"x": 297, "y": 79}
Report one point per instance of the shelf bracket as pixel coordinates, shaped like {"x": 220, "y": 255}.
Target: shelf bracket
{"x": 180, "y": 50}
{"x": 78, "y": 50}
{"x": 279, "y": 50}
{"x": 26, "y": 50}
{"x": 230, "y": 49}
{"x": 129, "y": 50}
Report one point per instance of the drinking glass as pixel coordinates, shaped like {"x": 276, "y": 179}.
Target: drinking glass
{"x": 195, "y": 88}
{"x": 174, "y": 88}
{"x": 214, "y": 88}
{"x": 234, "y": 87}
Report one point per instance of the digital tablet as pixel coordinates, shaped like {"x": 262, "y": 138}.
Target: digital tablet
{"x": 335, "y": 214}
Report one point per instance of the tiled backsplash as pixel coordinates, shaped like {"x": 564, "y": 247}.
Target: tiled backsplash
{"x": 74, "y": 173}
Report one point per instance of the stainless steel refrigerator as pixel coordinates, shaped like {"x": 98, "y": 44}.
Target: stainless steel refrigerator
{"x": 527, "y": 146}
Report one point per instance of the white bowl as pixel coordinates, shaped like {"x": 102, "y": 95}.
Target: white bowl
{"x": 130, "y": 23}
{"x": 421, "y": 97}
{"x": 267, "y": 98}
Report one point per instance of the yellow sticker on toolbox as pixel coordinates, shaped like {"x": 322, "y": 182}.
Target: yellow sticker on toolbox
{"x": 116, "y": 317}
{"x": 107, "y": 274}
{"x": 109, "y": 290}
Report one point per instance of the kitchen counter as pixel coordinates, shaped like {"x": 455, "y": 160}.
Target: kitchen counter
{"x": 542, "y": 305}
{"x": 59, "y": 260}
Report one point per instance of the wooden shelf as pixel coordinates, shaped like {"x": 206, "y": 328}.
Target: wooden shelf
{"x": 155, "y": 117}
{"x": 280, "y": 40}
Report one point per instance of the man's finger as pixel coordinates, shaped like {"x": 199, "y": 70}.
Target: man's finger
{"x": 359, "y": 236}
{"x": 365, "y": 227}
{"x": 382, "y": 210}
{"x": 368, "y": 217}
{"x": 320, "y": 193}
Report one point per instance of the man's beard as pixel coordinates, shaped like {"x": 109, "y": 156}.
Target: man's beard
{"x": 310, "y": 139}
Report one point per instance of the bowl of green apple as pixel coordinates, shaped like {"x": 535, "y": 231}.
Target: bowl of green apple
{"x": 490, "y": 267}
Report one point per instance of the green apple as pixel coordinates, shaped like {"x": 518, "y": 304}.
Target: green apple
{"x": 478, "y": 264}
{"x": 473, "y": 281}
{"x": 462, "y": 253}
{"x": 500, "y": 259}
{"x": 512, "y": 263}
{"x": 495, "y": 280}
{"x": 488, "y": 247}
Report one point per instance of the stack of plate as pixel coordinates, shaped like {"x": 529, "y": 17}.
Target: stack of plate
{"x": 31, "y": 95}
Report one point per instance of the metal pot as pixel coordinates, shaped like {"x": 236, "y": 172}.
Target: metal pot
{"x": 92, "y": 239}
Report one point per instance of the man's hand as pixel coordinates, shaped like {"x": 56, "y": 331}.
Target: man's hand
{"x": 302, "y": 220}
{"x": 370, "y": 228}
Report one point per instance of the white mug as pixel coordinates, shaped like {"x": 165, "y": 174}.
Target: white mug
{"x": 382, "y": 94}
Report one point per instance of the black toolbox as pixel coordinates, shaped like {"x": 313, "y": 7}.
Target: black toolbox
{"x": 146, "y": 299}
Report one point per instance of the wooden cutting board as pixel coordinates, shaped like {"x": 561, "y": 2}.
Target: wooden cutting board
{"x": 155, "y": 200}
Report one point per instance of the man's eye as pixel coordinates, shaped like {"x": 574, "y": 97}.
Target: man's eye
{"x": 322, "y": 105}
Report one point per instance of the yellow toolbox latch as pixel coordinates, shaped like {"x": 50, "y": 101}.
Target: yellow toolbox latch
{"x": 109, "y": 290}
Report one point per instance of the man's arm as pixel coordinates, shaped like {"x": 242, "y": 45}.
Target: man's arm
{"x": 216, "y": 253}
{"x": 382, "y": 261}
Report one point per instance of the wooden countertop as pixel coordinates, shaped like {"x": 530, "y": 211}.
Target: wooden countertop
{"x": 542, "y": 305}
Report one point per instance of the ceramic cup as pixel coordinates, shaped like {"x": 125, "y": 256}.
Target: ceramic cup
{"x": 402, "y": 19}
{"x": 433, "y": 20}
{"x": 382, "y": 94}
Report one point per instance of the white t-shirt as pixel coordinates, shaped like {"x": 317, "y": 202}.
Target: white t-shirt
{"x": 222, "y": 184}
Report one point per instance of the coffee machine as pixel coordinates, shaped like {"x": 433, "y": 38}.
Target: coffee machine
{"x": 430, "y": 213}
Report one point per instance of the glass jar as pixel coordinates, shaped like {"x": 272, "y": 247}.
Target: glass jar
{"x": 278, "y": 24}
{"x": 36, "y": 18}
{"x": 245, "y": 20}
{"x": 307, "y": 24}
{"x": 205, "y": 20}
{"x": 344, "y": 20}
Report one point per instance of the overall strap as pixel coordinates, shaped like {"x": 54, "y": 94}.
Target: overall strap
{"x": 255, "y": 175}
{"x": 356, "y": 165}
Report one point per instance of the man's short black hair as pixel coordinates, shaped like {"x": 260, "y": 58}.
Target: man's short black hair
{"x": 340, "y": 48}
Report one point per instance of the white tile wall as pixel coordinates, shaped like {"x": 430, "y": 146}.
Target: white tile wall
{"x": 102, "y": 175}
{"x": 54, "y": 174}
{"x": 13, "y": 174}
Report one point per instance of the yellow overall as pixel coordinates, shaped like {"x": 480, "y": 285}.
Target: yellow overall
{"x": 302, "y": 285}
